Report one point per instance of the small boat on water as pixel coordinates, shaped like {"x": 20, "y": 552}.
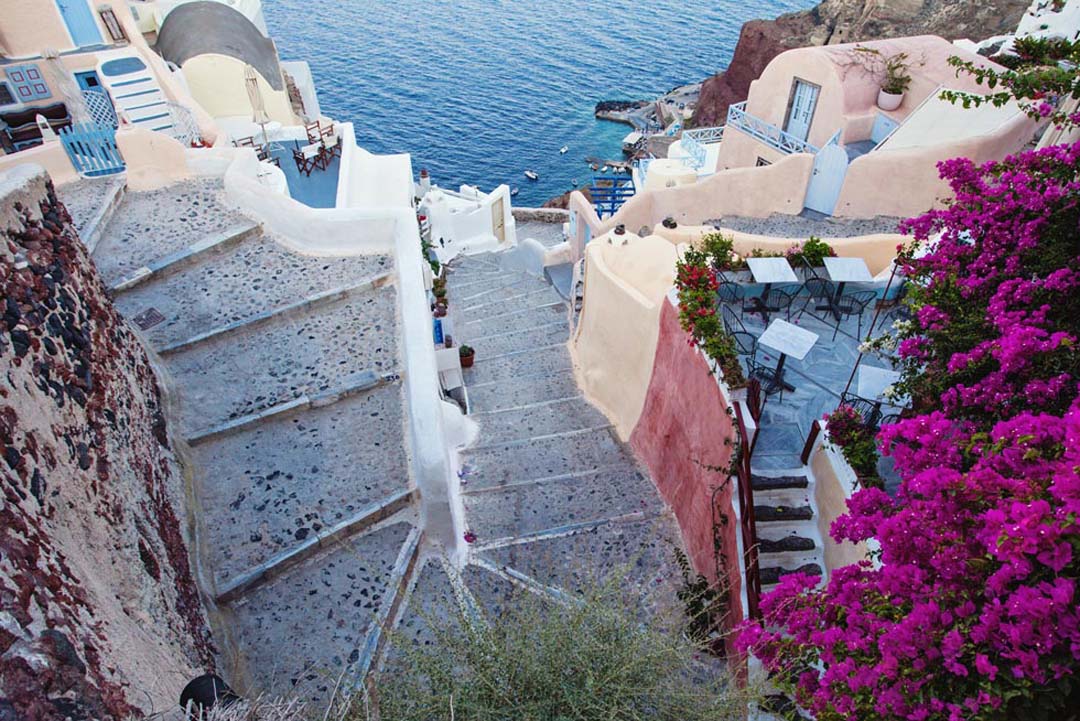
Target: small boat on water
{"x": 604, "y": 169}
{"x": 531, "y": 175}
{"x": 513, "y": 191}
{"x": 563, "y": 149}
{"x": 574, "y": 182}
{"x": 595, "y": 166}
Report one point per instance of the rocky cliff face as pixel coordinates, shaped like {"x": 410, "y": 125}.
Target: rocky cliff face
{"x": 99, "y": 614}
{"x": 842, "y": 21}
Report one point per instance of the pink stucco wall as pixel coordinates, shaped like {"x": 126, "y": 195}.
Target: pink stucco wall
{"x": 683, "y": 428}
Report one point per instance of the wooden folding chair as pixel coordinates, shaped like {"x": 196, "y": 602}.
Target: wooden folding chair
{"x": 248, "y": 142}
{"x": 314, "y": 132}
{"x": 304, "y": 163}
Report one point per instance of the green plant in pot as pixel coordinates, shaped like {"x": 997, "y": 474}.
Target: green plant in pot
{"x": 439, "y": 291}
{"x": 467, "y": 354}
{"x": 893, "y": 72}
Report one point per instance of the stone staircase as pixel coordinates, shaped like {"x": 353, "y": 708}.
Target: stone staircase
{"x": 285, "y": 383}
{"x": 785, "y": 512}
{"x": 552, "y": 495}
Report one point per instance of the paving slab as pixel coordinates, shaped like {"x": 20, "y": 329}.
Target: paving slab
{"x": 247, "y": 372}
{"x": 528, "y": 317}
{"x": 432, "y": 601}
{"x": 238, "y": 283}
{"x": 152, "y": 224}
{"x": 85, "y": 199}
{"x": 509, "y": 341}
{"x": 265, "y": 490}
{"x": 298, "y": 634}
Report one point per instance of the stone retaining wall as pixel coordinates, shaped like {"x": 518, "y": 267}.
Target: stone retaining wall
{"x": 101, "y": 616}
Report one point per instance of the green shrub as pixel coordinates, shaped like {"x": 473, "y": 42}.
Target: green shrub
{"x": 590, "y": 660}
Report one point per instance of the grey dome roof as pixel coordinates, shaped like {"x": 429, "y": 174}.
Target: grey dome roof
{"x": 201, "y": 28}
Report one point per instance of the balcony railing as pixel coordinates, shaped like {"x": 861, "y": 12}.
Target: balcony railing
{"x": 767, "y": 133}
{"x": 694, "y": 141}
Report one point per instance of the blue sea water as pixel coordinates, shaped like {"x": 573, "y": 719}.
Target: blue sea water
{"x": 479, "y": 90}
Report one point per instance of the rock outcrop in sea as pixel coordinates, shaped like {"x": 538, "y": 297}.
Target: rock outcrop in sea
{"x": 841, "y": 21}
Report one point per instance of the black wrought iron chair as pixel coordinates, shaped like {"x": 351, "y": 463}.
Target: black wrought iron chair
{"x": 808, "y": 271}
{"x": 779, "y": 300}
{"x": 733, "y": 294}
{"x": 853, "y": 304}
{"x": 868, "y": 410}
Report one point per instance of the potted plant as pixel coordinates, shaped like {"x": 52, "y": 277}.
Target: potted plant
{"x": 897, "y": 80}
{"x": 439, "y": 291}
{"x": 440, "y": 311}
{"x": 467, "y": 355}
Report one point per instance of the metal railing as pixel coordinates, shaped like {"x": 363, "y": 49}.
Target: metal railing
{"x": 695, "y": 151}
{"x": 92, "y": 149}
{"x": 747, "y": 522}
{"x": 184, "y": 128}
{"x": 767, "y": 133}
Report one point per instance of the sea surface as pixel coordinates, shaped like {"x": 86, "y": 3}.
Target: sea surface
{"x": 478, "y": 91}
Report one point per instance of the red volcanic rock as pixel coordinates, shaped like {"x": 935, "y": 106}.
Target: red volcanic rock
{"x": 842, "y": 21}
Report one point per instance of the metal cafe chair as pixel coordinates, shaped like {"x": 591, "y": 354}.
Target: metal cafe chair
{"x": 853, "y": 304}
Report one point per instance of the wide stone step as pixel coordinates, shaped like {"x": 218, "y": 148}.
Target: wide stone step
{"x": 246, "y": 372}
{"x": 151, "y": 225}
{"x": 767, "y": 514}
{"x": 521, "y": 391}
{"x": 767, "y": 483}
{"x": 537, "y": 360}
{"x": 496, "y": 291}
{"x": 496, "y": 344}
{"x": 533, "y": 458}
{"x": 517, "y": 510}
{"x": 538, "y": 419}
{"x": 302, "y": 631}
{"x": 269, "y": 488}
{"x": 771, "y": 574}
{"x": 239, "y": 283}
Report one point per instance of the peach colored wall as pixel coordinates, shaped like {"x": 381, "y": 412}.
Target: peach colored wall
{"x": 832, "y": 488}
{"x": 906, "y": 182}
{"x": 739, "y": 150}
{"x": 848, "y": 97}
{"x": 30, "y": 26}
{"x": 50, "y": 156}
{"x": 615, "y": 341}
{"x": 153, "y": 160}
{"x": 754, "y": 192}
{"x": 683, "y": 428}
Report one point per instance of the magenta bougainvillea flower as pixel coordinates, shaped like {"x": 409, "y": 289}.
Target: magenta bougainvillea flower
{"x": 974, "y": 609}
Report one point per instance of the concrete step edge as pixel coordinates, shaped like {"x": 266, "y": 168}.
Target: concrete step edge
{"x": 185, "y": 256}
{"x": 95, "y": 228}
{"x": 242, "y": 584}
{"x": 367, "y": 381}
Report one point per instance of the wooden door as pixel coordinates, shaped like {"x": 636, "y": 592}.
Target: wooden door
{"x": 80, "y": 22}
{"x": 804, "y": 97}
{"x": 498, "y": 222}
{"x": 830, "y": 168}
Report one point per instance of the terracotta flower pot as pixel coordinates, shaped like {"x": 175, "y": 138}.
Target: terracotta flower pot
{"x": 467, "y": 360}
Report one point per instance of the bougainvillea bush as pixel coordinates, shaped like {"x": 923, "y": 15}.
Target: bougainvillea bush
{"x": 974, "y": 610}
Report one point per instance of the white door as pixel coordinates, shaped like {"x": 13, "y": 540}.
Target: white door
{"x": 803, "y": 101}
{"x": 830, "y": 167}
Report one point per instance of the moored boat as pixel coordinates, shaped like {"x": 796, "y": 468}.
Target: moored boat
{"x": 532, "y": 175}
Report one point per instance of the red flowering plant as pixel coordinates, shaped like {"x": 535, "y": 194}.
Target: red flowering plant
{"x": 974, "y": 610}
{"x": 696, "y": 283}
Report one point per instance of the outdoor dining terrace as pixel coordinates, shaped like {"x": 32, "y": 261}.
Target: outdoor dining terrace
{"x": 311, "y": 164}
{"x": 800, "y": 326}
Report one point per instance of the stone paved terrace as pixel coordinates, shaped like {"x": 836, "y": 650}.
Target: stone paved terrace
{"x": 285, "y": 372}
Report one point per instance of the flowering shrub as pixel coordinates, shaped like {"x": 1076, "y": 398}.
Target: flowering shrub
{"x": 848, "y": 432}
{"x": 695, "y": 281}
{"x": 814, "y": 251}
{"x": 974, "y": 612}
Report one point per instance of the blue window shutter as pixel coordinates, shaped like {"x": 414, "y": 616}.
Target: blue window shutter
{"x": 28, "y": 83}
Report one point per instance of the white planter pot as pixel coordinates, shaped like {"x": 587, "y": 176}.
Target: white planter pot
{"x": 889, "y": 101}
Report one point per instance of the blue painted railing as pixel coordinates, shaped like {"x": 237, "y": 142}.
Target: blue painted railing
{"x": 694, "y": 141}
{"x": 607, "y": 199}
{"x": 768, "y": 133}
{"x": 92, "y": 149}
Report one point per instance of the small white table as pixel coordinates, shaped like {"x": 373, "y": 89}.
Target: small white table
{"x": 768, "y": 271}
{"x": 846, "y": 270}
{"x": 787, "y": 339}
